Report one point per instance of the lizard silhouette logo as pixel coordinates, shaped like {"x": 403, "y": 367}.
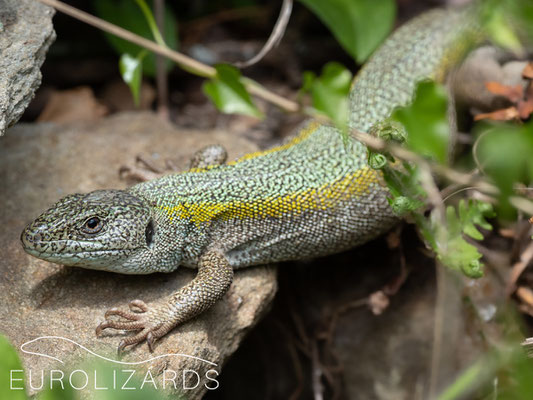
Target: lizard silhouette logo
{"x": 80, "y": 379}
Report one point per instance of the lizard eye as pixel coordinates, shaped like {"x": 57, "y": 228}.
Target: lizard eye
{"x": 92, "y": 225}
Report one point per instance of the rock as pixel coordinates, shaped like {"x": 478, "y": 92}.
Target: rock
{"x": 486, "y": 64}
{"x": 42, "y": 162}
{"x": 72, "y": 105}
{"x": 26, "y": 32}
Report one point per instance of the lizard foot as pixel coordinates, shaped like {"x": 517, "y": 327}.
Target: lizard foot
{"x": 150, "y": 321}
{"x": 145, "y": 169}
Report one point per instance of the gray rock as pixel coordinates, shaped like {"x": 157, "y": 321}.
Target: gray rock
{"x": 40, "y": 163}
{"x": 26, "y": 32}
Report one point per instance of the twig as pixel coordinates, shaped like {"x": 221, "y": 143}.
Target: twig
{"x": 297, "y": 370}
{"x": 438, "y": 328}
{"x": 161, "y": 70}
{"x": 434, "y": 197}
{"x": 275, "y": 36}
{"x": 518, "y": 268}
{"x": 184, "y": 61}
{"x": 316, "y": 375}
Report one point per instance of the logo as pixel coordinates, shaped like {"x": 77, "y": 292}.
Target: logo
{"x": 120, "y": 379}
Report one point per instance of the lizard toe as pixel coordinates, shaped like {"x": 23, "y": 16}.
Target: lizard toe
{"x": 138, "y": 305}
{"x": 132, "y": 340}
{"x": 124, "y": 314}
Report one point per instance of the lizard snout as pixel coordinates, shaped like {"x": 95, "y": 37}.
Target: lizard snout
{"x": 31, "y": 238}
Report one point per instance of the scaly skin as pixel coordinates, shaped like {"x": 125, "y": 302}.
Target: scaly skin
{"x": 309, "y": 197}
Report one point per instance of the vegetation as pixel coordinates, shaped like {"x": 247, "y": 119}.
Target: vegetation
{"x": 412, "y": 150}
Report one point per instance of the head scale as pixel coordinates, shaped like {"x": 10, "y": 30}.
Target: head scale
{"x": 112, "y": 230}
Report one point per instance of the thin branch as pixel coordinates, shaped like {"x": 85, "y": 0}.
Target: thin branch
{"x": 431, "y": 189}
{"x": 518, "y": 268}
{"x": 275, "y": 36}
{"x": 185, "y": 62}
{"x": 161, "y": 70}
{"x": 405, "y": 154}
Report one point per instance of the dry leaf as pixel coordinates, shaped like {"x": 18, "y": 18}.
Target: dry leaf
{"x": 513, "y": 93}
{"x": 527, "y": 73}
{"x": 525, "y": 108}
{"x": 505, "y": 114}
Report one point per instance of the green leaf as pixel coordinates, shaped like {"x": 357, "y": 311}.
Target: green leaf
{"x": 58, "y": 392}
{"x": 504, "y": 154}
{"x": 131, "y": 71}
{"x": 359, "y": 25}
{"x": 10, "y": 371}
{"x": 330, "y": 92}
{"x": 128, "y": 15}
{"x": 447, "y": 239}
{"x": 426, "y": 121}
{"x": 473, "y": 213}
{"x": 501, "y": 32}
{"x": 228, "y": 93}
{"x": 407, "y": 195}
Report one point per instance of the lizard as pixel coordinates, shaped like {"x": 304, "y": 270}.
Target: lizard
{"x": 311, "y": 196}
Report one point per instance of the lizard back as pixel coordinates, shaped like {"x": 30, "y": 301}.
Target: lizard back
{"x": 313, "y": 195}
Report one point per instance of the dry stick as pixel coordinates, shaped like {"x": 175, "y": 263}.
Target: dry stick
{"x": 275, "y": 36}
{"x": 161, "y": 70}
{"x": 525, "y": 259}
{"x": 184, "y": 61}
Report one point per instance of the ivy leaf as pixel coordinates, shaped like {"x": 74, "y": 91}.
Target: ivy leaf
{"x": 426, "y": 121}
{"x": 359, "y": 25}
{"x": 330, "y": 92}
{"x": 128, "y": 15}
{"x": 131, "y": 71}
{"x": 228, "y": 93}
{"x": 9, "y": 361}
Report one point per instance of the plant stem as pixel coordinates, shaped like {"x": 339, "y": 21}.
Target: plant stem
{"x": 185, "y": 62}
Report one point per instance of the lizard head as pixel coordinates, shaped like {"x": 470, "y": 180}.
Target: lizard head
{"x": 106, "y": 229}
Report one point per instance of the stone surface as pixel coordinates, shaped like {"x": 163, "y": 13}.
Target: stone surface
{"x": 40, "y": 163}
{"x": 26, "y": 32}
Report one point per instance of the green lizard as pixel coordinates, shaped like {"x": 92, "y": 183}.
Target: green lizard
{"x": 311, "y": 196}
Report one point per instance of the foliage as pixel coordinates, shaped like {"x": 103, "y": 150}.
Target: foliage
{"x": 504, "y": 153}
{"x": 329, "y": 92}
{"x": 359, "y": 25}
{"x": 508, "y": 22}
{"x": 447, "y": 238}
{"x": 426, "y": 122}
{"x": 9, "y": 361}
{"x": 228, "y": 93}
{"x": 131, "y": 71}
{"x": 503, "y": 373}
{"x": 129, "y": 15}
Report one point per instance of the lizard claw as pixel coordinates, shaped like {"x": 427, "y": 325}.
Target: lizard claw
{"x": 148, "y": 320}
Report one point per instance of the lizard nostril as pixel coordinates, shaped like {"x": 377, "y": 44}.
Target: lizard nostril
{"x": 37, "y": 238}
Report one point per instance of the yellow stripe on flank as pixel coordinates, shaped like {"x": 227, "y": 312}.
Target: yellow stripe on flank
{"x": 322, "y": 198}
{"x": 302, "y": 135}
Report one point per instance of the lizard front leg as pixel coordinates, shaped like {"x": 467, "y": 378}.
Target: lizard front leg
{"x": 214, "y": 277}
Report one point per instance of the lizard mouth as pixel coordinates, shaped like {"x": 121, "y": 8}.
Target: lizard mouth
{"x": 66, "y": 251}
